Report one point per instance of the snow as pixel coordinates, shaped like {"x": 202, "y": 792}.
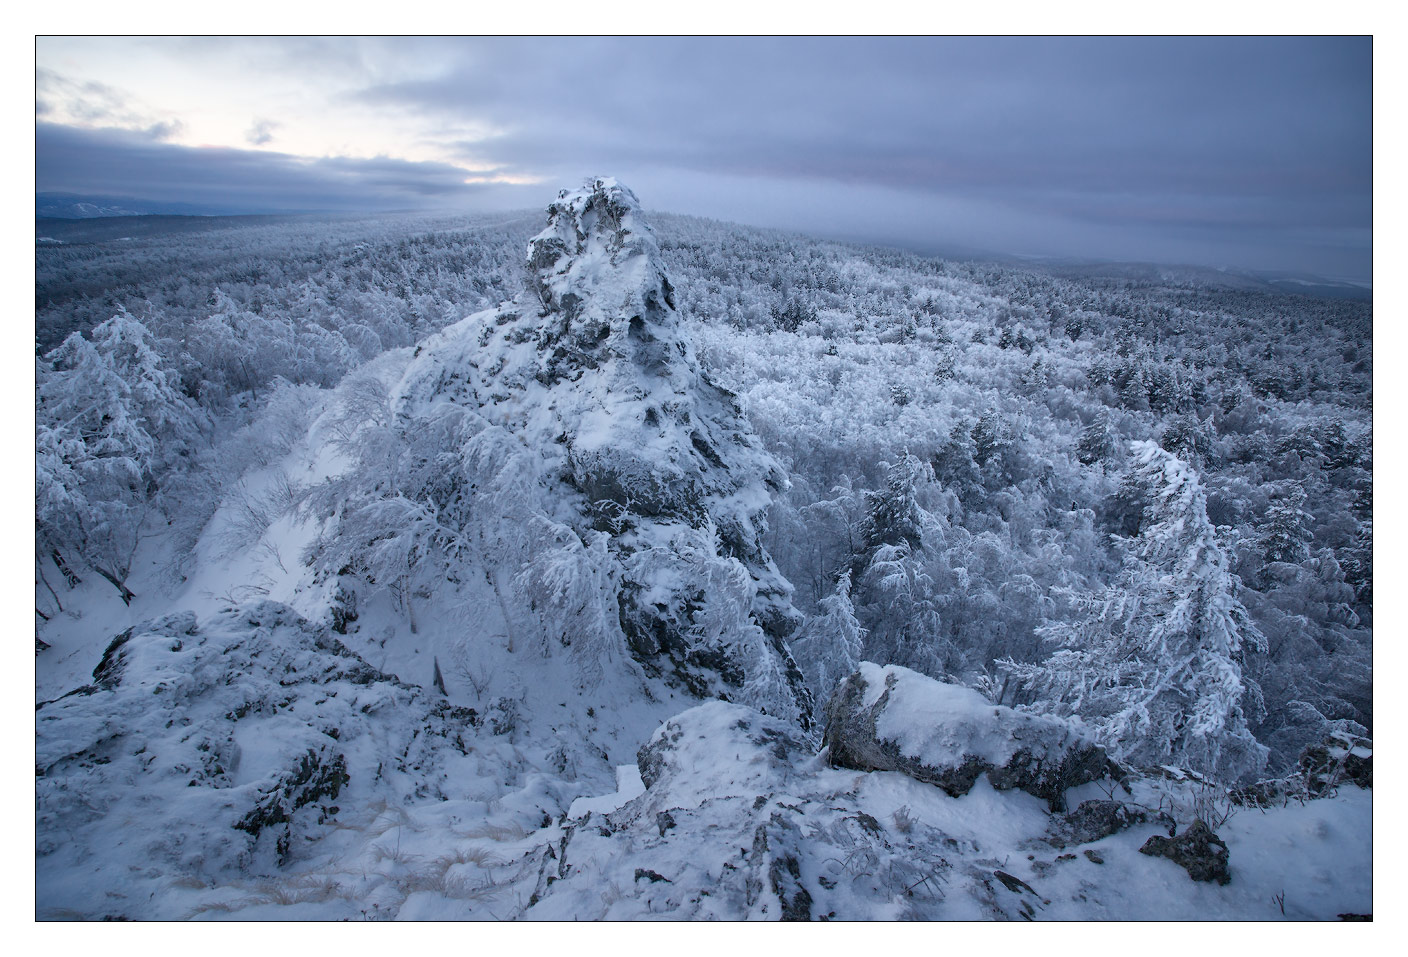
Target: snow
{"x": 628, "y": 787}
{"x": 534, "y": 805}
{"x": 882, "y": 845}
{"x": 942, "y": 724}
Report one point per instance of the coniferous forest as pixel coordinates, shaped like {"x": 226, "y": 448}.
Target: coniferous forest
{"x": 598, "y": 562}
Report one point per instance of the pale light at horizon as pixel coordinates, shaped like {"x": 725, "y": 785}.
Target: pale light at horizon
{"x": 1241, "y": 152}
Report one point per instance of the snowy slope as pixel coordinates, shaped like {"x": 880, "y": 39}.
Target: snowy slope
{"x": 253, "y": 767}
{"x": 523, "y": 726}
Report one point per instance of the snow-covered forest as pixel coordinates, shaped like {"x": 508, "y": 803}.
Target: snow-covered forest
{"x": 382, "y": 572}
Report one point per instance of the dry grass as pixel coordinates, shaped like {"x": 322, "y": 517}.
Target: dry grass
{"x": 189, "y": 881}
{"x": 494, "y": 832}
{"x": 382, "y": 853}
{"x": 387, "y": 816}
{"x": 456, "y": 888}
{"x": 301, "y": 889}
{"x": 480, "y": 857}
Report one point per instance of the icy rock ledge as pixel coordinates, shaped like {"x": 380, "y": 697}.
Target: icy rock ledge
{"x": 894, "y": 719}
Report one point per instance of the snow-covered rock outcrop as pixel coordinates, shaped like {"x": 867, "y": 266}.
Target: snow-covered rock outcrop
{"x": 740, "y": 819}
{"x": 894, "y": 719}
{"x": 634, "y": 457}
{"x": 251, "y": 766}
{"x": 222, "y": 751}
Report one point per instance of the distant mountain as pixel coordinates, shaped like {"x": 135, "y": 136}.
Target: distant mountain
{"x": 1250, "y": 280}
{"x": 74, "y": 206}
{"x": 1317, "y": 286}
{"x": 59, "y": 231}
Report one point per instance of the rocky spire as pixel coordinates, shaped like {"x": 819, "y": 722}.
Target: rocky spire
{"x": 590, "y": 368}
{"x": 596, "y": 277}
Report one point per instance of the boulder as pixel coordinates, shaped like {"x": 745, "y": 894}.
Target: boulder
{"x": 1095, "y": 820}
{"x": 894, "y": 719}
{"x": 1197, "y": 850}
{"x": 1341, "y": 758}
{"x": 720, "y": 749}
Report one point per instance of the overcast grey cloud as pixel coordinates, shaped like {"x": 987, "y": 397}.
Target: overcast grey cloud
{"x": 133, "y": 165}
{"x": 1241, "y": 152}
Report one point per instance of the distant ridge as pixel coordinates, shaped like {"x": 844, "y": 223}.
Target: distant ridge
{"x": 166, "y": 217}
{"x": 77, "y": 206}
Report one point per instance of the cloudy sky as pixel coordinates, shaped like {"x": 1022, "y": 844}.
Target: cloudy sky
{"x": 1225, "y": 152}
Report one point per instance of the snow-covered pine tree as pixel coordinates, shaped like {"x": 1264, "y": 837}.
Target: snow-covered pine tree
{"x": 1097, "y": 441}
{"x": 1285, "y": 534}
{"x": 110, "y": 424}
{"x": 893, "y": 514}
{"x": 896, "y": 593}
{"x": 830, "y": 645}
{"x": 1190, "y": 439}
{"x": 1154, "y": 663}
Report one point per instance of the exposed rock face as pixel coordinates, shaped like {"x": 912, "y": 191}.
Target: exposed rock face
{"x": 589, "y": 371}
{"x": 1197, "y": 850}
{"x": 241, "y": 736}
{"x": 1342, "y": 758}
{"x": 1095, "y": 820}
{"x": 894, "y": 719}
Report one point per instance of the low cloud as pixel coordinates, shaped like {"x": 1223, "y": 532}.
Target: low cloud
{"x": 1193, "y": 146}
{"x": 261, "y": 132}
{"x": 131, "y": 164}
{"x": 1223, "y": 151}
{"x": 88, "y": 103}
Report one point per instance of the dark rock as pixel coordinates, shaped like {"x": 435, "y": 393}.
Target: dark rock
{"x": 778, "y": 843}
{"x": 1094, "y": 820}
{"x": 1014, "y": 884}
{"x": 344, "y": 609}
{"x": 1094, "y": 856}
{"x": 1197, "y": 850}
{"x": 650, "y": 875}
{"x": 1339, "y": 758}
{"x": 1041, "y": 756}
{"x": 1342, "y": 758}
{"x": 317, "y": 775}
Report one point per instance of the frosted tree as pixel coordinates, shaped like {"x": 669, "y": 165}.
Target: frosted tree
{"x": 1190, "y": 439}
{"x": 1154, "y": 664}
{"x": 1097, "y": 441}
{"x": 719, "y": 595}
{"x": 571, "y": 586}
{"x": 898, "y": 605}
{"x": 830, "y": 645}
{"x": 893, "y": 514}
{"x": 110, "y": 424}
{"x": 1285, "y": 534}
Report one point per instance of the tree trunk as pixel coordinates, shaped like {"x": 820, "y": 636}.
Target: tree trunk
{"x": 410, "y": 611}
{"x": 72, "y": 579}
{"x": 122, "y": 589}
{"x": 39, "y": 567}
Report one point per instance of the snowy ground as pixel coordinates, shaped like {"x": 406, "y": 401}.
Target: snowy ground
{"x": 235, "y": 757}
{"x": 197, "y": 726}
